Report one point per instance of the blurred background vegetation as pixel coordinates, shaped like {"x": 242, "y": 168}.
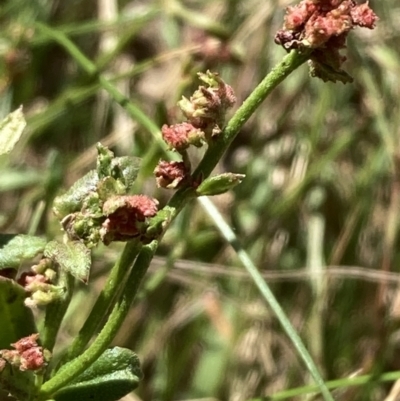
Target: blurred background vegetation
{"x": 318, "y": 211}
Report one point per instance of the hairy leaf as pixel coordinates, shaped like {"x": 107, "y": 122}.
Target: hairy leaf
{"x": 73, "y": 257}
{"x": 116, "y": 373}
{"x": 15, "y": 248}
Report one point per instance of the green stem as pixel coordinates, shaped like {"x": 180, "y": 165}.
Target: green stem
{"x": 74, "y": 368}
{"x": 197, "y": 19}
{"x": 268, "y": 295}
{"x": 333, "y": 384}
{"x": 91, "y": 69}
{"x": 280, "y": 72}
{"x": 56, "y": 310}
{"x": 104, "y": 302}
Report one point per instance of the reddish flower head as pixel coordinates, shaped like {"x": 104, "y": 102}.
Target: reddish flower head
{"x": 323, "y": 26}
{"x": 170, "y": 174}
{"x": 181, "y": 136}
{"x": 126, "y": 217}
{"x": 206, "y": 109}
{"x": 363, "y": 16}
{"x": 27, "y": 355}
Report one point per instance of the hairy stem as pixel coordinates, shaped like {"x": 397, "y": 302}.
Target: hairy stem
{"x": 104, "y": 302}
{"x": 77, "y": 366}
{"x": 56, "y": 310}
{"x": 281, "y": 71}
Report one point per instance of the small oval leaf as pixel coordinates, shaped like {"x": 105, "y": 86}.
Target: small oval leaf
{"x": 73, "y": 199}
{"x": 15, "y": 248}
{"x": 73, "y": 257}
{"x": 219, "y": 184}
{"x": 116, "y": 373}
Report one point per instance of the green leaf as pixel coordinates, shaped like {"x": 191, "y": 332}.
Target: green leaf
{"x": 16, "y": 318}
{"x": 15, "y": 248}
{"x": 126, "y": 169}
{"x": 219, "y": 184}
{"x": 73, "y": 257}
{"x": 10, "y": 130}
{"x": 116, "y": 373}
{"x": 72, "y": 200}
{"x": 123, "y": 169}
{"x": 17, "y": 383}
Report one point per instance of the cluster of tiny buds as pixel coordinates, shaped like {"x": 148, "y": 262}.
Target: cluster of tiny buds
{"x": 323, "y": 26}
{"x": 38, "y": 284}
{"x": 205, "y": 113}
{"x": 26, "y": 355}
{"x": 126, "y": 217}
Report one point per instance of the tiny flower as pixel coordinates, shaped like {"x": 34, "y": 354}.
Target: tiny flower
{"x": 27, "y": 354}
{"x": 181, "y": 136}
{"x": 32, "y": 359}
{"x": 170, "y": 174}
{"x": 38, "y": 286}
{"x": 297, "y": 16}
{"x": 43, "y": 267}
{"x": 321, "y": 28}
{"x": 26, "y": 342}
{"x": 363, "y": 16}
{"x": 32, "y": 282}
{"x": 207, "y": 107}
{"x": 45, "y": 296}
{"x": 13, "y": 357}
{"x": 126, "y": 217}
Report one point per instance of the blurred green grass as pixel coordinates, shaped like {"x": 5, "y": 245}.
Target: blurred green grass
{"x": 317, "y": 212}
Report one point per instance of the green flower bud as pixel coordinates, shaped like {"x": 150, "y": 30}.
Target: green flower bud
{"x": 219, "y": 184}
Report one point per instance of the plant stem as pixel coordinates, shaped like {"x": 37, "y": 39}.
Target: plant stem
{"x": 104, "y": 302}
{"x": 90, "y": 68}
{"x": 281, "y": 71}
{"x": 333, "y": 384}
{"x": 267, "y": 294}
{"x": 74, "y": 368}
{"x": 56, "y": 310}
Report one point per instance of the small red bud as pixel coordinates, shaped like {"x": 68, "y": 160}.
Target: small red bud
{"x": 125, "y": 217}
{"x": 181, "y": 136}
{"x": 27, "y": 355}
{"x": 170, "y": 174}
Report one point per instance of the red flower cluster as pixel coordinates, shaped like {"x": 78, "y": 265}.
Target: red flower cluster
{"x": 205, "y": 112}
{"x": 27, "y": 355}
{"x": 207, "y": 107}
{"x": 323, "y": 26}
{"x": 170, "y": 174}
{"x": 126, "y": 216}
{"x": 181, "y": 136}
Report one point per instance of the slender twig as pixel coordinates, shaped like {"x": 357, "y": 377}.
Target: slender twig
{"x": 77, "y": 366}
{"x": 333, "y": 384}
{"x": 266, "y": 292}
{"x": 90, "y": 68}
{"x": 56, "y": 310}
{"x": 104, "y": 302}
